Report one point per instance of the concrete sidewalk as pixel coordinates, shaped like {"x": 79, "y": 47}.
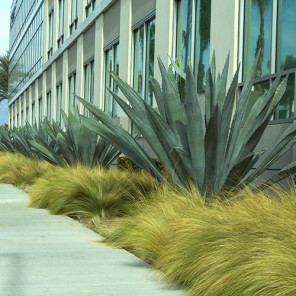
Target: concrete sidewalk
{"x": 45, "y": 255}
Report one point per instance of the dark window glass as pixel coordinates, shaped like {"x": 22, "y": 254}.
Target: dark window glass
{"x": 257, "y": 35}
{"x": 202, "y": 48}
{"x": 184, "y": 30}
{"x": 111, "y": 65}
{"x": 286, "y": 44}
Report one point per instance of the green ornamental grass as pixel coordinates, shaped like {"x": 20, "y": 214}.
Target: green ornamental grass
{"x": 90, "y": 192}
{"x": 19, "y": 170}
{"x": 246, "y": 247}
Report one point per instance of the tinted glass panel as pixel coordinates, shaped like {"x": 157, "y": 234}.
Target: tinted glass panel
{"x": 257, "y": 35}
{"x": 184, "y": 30}
{"x": 150, "y": 60}
{"x": 286, "y": 45}
{"x": 203, "y": 32}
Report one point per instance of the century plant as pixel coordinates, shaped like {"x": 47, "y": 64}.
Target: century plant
{"x": 207, "y": 140}
{"x": 17, "y": 139}
{"x": 73, "y": 144}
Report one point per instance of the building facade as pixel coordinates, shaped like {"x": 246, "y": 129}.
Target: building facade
{"x": 61, "y": 47}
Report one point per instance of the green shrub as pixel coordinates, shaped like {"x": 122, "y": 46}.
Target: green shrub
{"x": 247, "y": 247}
{"x": 19, "y": 170}
{"x": 124, "y": 163}
{"x": 145, "y": 229}
{"x": 90, "y": 192}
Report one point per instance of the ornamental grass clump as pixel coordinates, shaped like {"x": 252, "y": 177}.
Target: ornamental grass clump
{"x": 244, "y": 247}
{"x": 208, "y": 140}
{"x": 146, "y": 228}
{"x": 21, "y": 171}
{"x": 90, "y": 192}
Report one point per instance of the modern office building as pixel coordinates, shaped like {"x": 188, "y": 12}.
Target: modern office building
{"x": 61, "y": 47}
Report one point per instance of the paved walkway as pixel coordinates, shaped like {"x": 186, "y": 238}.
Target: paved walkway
{"x": 45, "y": 255}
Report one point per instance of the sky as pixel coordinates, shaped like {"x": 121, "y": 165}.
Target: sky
{"x": 4, "y": 46}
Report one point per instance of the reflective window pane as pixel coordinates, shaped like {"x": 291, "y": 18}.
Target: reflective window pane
{"x": 184, "y": 30}
{"x": 257, "y": 35}
{"x": 202, "y": 50}
{"x": 111, "y": 65}
{"x": 149, "y": 60}
{"x": 285, "y": 108}
{"x": 138, "y": 60}
{"x": 286, "y": 45}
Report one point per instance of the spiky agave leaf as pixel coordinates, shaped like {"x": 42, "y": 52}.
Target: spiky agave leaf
{"x": 75, "y": 144}
{"x": 211, "y": 147}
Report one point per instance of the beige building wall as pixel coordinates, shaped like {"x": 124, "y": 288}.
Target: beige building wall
{"x": 89, "y": 41}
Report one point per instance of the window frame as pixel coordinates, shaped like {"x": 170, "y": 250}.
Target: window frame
{"x": 144, "y": 22}
{"x": 88, "y": 82}
{"x": 50, "y": 33}
{"x": 72, "y": 91}
{"x": 115, "y": 47}
{"x": 48, "y": 105}
{"x": 274, "y": 73}
{"x": 61, "y": 7}
{"x": 59, "y": 96}
{"x": 89, "y": 7}
{"x": 73, "y": 17}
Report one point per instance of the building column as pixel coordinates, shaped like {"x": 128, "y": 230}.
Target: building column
{"x": 125, "y": 53}
{"x": 65, "y": 95}
{"x": 99, "y": 62}
{"x": 53, "y": 90}
{"x": 164, "y": 34}
{"x": 79, "y": 69}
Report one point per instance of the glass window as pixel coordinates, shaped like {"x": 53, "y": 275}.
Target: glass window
{"x": 88, "y": 83}
{"x": 27, "y": 114}
{"x": 184, "y": 30}
{"x": 61, "y": 22}
{"x": 74, "y": 18}
{"x": 48, "y": 105}
{"x": 50, "y": 34}
{"x": 40, "y": 108}
{"x": 111, "y": 65}
{"x": 193, "y": 37}
{"x": 143, "y": 63}
{"x": 257, "y": 35}
{"x": 72, "y": 90}
{"x": 90, "y": 6}
{"x": 33, "y": 113}
{"x": 59, "y": 102}
{"x": 286, "y": 45}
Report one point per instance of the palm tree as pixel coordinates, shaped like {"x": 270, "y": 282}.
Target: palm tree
{"x": 4, "y": 74}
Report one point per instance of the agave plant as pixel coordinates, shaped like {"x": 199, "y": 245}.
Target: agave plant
{"x": 212, "y": 147}
{"x": 17, "y": 139}
{"x": 75, "y": 144}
